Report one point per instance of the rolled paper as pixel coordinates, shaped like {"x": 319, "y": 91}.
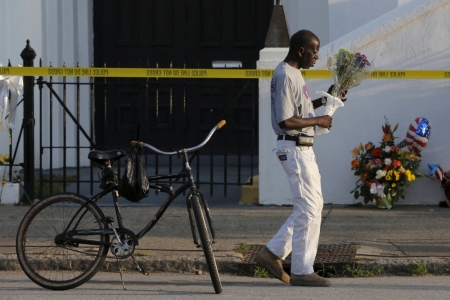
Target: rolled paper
{"x": 333, "y": 103}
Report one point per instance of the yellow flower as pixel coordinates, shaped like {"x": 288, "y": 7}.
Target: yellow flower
{"x": 389, "y": 175}
{"x": 2, "y": 160}
{"x": 410, "y": 176}
{"x": 355, "y": 152}
{"x": 397, "y": 175}
{"x": 413, "y": 157}
{"x": 394, "y": 185}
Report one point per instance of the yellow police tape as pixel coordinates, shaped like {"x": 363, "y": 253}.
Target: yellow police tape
{"x": 205, "y": 73}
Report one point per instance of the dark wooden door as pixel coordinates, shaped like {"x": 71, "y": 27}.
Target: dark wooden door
{"x": 177, "y": 33}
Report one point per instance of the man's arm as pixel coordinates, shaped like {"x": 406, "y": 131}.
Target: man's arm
{"x": 298, "y": 123}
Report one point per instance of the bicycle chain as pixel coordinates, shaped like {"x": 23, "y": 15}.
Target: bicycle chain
{"x": 96, "y": 255}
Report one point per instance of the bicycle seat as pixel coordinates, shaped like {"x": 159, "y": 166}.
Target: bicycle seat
{"x": 103, "y": 157}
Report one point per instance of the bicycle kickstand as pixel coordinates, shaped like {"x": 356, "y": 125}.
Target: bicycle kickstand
{"x": 121, "y": 277}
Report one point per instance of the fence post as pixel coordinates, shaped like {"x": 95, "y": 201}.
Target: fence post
{"x": 28, "y": 56}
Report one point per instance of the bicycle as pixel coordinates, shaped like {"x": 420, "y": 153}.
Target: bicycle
{"x": 64, "y": 239}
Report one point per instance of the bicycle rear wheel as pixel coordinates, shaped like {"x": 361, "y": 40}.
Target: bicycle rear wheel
{"x": 46, "y": 260}
{"x": 205, "y": 239}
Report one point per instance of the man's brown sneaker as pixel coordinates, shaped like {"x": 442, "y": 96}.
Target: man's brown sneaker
{"x": 272, "y": 263}
{"x": 309, "y": 280}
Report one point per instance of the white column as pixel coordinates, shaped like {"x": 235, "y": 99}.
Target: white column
{"x": 273, "y": 184}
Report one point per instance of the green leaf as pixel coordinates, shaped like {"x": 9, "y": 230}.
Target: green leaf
{"x": 365, "y": 191}
{"x": 402, "y": 193}
{"x": 393, "y": 192}
{"x": 395, "y": 199}
{"x": 395, "y": 128}
{"x": 356, "y": 195}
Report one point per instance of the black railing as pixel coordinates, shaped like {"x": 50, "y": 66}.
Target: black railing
{"x": 79, "y": 114}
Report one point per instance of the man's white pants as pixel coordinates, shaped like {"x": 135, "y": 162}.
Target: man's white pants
{"x": 300, "y": 233}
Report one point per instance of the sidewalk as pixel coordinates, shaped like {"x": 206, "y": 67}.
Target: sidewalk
{"x": 394, "y": 239}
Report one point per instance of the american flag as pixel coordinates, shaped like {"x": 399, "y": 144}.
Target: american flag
{"x": 418, "y": 135}
{"x": 436, "y": 171}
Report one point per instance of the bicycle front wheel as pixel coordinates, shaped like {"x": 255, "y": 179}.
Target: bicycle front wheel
{"x": 45, "y": 258}
{"x": 205, "y": 239}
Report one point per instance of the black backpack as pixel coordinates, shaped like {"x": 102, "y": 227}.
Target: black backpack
{"x": 134, "y": 184}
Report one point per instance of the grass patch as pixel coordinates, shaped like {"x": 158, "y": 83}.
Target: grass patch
{"x": 260, "y": 272}
{"x": 353, "y": 270}
{"x": 328, "y": 272}
{"x": 139, "y": 253}
{"x": 418, "y": 268}
{"x": 242, "y": 247}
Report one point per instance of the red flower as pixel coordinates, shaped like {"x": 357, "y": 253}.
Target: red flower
{"x": 377, "y": 152}
{"x": 396, "y": 163}
{"x": 364, "y": 176}
{"x": 394, "y": 148}
{"x": 387, "y": 137}
{"x": 355, "y": 164}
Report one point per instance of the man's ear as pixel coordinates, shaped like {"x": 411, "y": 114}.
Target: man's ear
{"x": 301, "y": 50}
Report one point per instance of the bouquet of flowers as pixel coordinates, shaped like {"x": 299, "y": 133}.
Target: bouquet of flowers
{"x": 384, "y": 171}
{"x": 348, "y": 70}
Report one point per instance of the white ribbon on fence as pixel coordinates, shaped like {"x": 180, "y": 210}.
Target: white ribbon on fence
{"x": 13, "y": 84}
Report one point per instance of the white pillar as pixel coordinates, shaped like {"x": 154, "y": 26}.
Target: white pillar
{"x": 273, "y": 185}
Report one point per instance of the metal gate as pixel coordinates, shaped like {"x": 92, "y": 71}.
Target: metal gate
{"x": 75, "y": 113}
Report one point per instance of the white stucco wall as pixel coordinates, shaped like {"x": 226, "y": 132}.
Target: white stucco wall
{"x": 415, "y": 36}
{"x": 331, "y": 19}
{"x": 59, "y": 32}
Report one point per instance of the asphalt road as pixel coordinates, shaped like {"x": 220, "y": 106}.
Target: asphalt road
{"x": 15, "y": 285}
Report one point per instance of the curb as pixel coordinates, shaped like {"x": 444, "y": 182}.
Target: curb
{"x": 232, "y": 263}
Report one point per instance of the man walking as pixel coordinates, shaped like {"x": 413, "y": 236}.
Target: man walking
{"x": 294, "y": 122}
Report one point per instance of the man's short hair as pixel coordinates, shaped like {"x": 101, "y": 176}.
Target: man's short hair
{"x": 302, "y": 38}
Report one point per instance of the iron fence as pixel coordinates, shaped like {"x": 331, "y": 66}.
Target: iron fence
{"x": 77, "y": 115}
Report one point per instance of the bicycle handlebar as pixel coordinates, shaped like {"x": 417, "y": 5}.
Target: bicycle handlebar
{"x": 217, "y": 127}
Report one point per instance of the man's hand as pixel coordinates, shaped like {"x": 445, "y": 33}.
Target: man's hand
{"x": 342, "y": 96}
{"x": 324, "y": 121}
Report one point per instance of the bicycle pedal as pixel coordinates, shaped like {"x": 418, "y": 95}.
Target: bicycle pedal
{"x": 107, "y": 220}
{"x": 146, "y": 273}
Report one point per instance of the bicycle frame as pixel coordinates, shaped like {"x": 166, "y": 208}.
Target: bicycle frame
{"x": 189, "y": 184}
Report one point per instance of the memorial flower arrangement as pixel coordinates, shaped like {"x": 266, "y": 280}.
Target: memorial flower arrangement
{"x": 348, "y": 70}
{"x": 384, "y": 170}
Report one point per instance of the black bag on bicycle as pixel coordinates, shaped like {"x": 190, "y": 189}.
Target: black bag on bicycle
{"x": 134, "y": 184}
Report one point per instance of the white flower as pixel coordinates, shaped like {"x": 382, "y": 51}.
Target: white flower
{"x": 387, "y": 161}
{"x": 387, "y": 149}
{"x": 380, "y": 174}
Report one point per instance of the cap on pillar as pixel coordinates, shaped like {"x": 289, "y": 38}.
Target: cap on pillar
{"x": 278, "y": 33}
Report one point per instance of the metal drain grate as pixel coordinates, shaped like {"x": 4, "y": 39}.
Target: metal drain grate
{"x": 326, "y": 254}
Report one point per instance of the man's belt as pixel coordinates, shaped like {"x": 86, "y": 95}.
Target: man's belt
{"x": 287, "y": 137}
{"x": 300, "y": 140}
